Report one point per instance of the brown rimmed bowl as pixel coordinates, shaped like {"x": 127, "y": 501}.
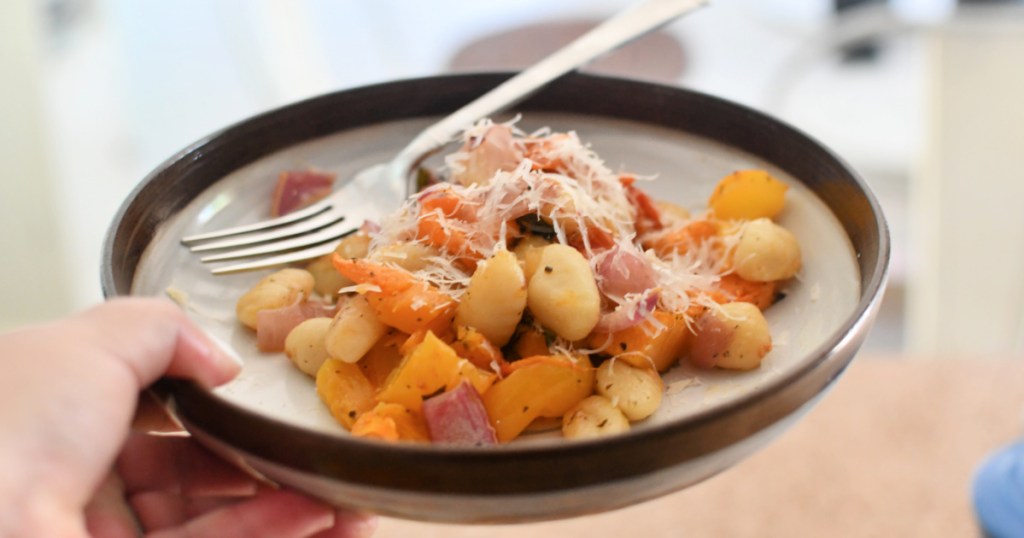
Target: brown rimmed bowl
{"x": 270, "y": 420}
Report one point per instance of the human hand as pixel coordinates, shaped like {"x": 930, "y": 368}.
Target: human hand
{"x": 68, "y": 390}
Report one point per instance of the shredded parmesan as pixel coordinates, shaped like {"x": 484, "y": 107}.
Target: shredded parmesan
{"x": 560, "y": 181}
{"x": 359, "y": 288}
{"x": 177, "y": 295}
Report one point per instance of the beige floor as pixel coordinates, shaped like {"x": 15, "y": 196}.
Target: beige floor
{"x": 890, "y": 452}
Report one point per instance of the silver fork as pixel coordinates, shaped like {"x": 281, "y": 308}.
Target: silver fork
{"x": 309, "y": 233}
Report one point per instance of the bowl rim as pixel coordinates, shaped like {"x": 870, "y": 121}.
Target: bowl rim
{"x": 697, "y": 435}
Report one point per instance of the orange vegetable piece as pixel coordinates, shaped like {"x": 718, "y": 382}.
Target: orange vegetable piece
{"x": 430, "y": 367}
{"x": 374, "y": 426}
{"x": 381, "y": 359}
{"x": 734, "y": 288}
{"x": 529, "y": 343}
{"x": 388, "y": 279}
{"x": 688, "y": 236}
{"x": 748, "y": 195}
{"x": 417, "y": 308}
{"x": 391, "y": 422}
{"x": 403, "y": 302}
{"x": 445, "y": 201}
{"x": 648, "y": 217}
{"x": 412, "y": 341}
{"x": 598, "y": 238}
{"x": 411, "y": 426}
{"x": 539, "y": 151}
{"x": 435, "y": 209}
{"x": 645, "y": 345}
{"x": 430, "y": 227}
{"x": 540, "y": 386}
{"x": 473, "y": 346}
{"x": 344, "y": 390}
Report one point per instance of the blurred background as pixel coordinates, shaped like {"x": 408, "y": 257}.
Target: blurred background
{"x": 925, "y": 98}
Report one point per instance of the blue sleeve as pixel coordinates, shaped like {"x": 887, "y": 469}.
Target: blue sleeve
{"x": 999, "y": 493}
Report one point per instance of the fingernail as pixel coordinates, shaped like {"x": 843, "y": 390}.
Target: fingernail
{"x": 227, "y": 360}
{"x": 226, "y": 351}
{"x": 226, "y": 365}
{"x": 359, "y": 524}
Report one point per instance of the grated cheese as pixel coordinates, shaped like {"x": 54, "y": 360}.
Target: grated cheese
{"x": 563, "y": 182}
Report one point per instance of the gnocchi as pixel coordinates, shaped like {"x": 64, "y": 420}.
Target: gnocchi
{"x": 278, "y": 290}
{"x": 353, "y": 331}
{"x": 562, "y": 293}
{"x": 408, "y": 256}
{"x": 495, "y": 298}
{"x": 766, "y": 252}
{"x": 327, "y": 280}
{"x": 306, "y": 344}
{"x": 637, "y": 392}
{"x": 734, "y": 336}
{"x": 595, "y": 416}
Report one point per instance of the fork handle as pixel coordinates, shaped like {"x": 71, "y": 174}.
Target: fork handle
{"x": 620, "y": 29}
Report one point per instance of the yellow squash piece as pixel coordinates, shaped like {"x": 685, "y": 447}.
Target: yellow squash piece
{"x": 391, "y": 422}
{"x": 344, "y": 390}
{"x": 644, "y": 345}
{"x": 382, "y": 359}
{"x": 430, "y": 366}
{"x": 541, "y": 386}
{"x": 748, "y": 195}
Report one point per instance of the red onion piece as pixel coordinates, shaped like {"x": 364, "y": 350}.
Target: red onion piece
{"x": 715, "y": 337}
{"x": 273, "y": 326}
{"x": 629, "y": 313}
{"x": 458, "y": 417}
{"x": 299, "y": 188}
{"x": 485, "y": 157}
{"x": 370, "y": 227}
{"x": 623, "y": 270}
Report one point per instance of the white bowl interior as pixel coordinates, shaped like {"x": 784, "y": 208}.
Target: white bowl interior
{"x": 817, "y": 303}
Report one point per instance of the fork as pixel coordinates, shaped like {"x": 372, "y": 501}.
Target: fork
{"x": 310, "y": 232}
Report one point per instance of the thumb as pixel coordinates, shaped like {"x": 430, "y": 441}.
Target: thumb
{"x": 153, "y": 337}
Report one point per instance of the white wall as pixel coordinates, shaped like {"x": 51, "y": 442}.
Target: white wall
{"x": 33, "y": 284}
{"x": 968, "y": 193}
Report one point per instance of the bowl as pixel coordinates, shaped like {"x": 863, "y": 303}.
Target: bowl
{"x": 270, "y": 420}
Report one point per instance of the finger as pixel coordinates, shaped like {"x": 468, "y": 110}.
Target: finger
{"x": 350, "y": 525}
{"x": 76, "y": 382}
{"x": 153, "y": 337}
{"x": 107, "y": 513}
{"x": 177, "y": 464}
{"x": 276, "y": 514}
{"x": 158, "y": 510}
